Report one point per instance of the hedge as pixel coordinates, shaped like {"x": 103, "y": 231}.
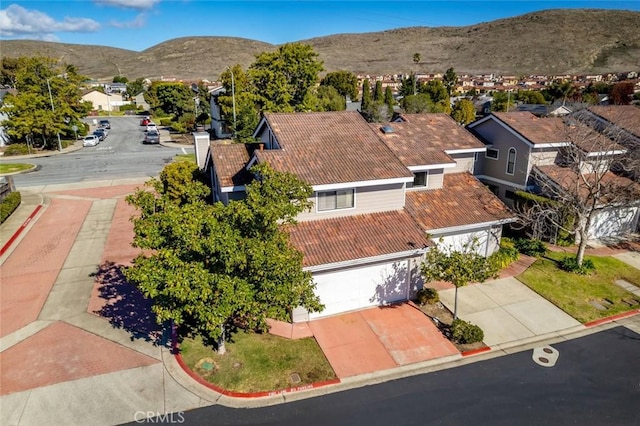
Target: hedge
{"x": 8, "y": 205}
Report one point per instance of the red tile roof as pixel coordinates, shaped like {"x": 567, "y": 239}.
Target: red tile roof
{"x": 229, "y": 162}
{"x": 613, "y": 188}
{"x": 535, "y": 129}
{"x": 462, "y": 200}
{"x": 330, "y": 147}
{"x": 625, "y": 116}
{"x": 356, "y": 237}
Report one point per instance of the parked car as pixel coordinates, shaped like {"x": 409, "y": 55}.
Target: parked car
{"x": 90, "y": 140}
{"x": 144, "y": 121}
{"x": 104, "y": 124}
{"x": 100, "y": 133}
{"x": 151, "y": 127}
{"x": 151, "y": 137}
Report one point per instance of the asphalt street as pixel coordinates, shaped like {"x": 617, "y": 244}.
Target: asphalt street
{"x": 596, "y": 381}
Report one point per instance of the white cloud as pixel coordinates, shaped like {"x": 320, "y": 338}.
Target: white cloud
{"x": 138, "y": 22}
{"x": 16, "y": 21}
{"x": 129, "y": 4}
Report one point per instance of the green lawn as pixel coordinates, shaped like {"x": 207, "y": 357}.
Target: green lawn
{"x": 572, "y": 292}
{"x": 186, "y": 157}
{"x": 14, "y": 167}
{"x": 258, "y": 362}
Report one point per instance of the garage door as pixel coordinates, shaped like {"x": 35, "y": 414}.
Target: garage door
{"x": 355, "y": 288}
{"x": 607, "y": 223}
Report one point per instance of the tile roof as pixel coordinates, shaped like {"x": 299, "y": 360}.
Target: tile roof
{"x": 330, "y": 147}
{"x": 229, "y": 162}
{"x": 607, "y": 184}
{"x": 535, "y": 129}
{"x": 625, "y": 116}
{"x": 462, "y": 200}
{"x": 356, "y": 237}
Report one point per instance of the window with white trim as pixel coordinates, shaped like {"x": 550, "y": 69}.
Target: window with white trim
{"x": 511, "y": 161}
{"x": 420, "y": 180}
{"x": 335, "y": 200}
{"x": 491, "y": 153}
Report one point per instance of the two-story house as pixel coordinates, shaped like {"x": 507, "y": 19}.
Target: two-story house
{"x": 374, "y": 209}
{"x": 525, "y": 151}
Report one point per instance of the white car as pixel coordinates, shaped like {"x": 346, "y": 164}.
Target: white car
{"x": 90, "y": 140}
{"x": 151, "y": 127}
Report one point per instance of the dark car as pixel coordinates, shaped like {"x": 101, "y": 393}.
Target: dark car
{"x": 100, "y": 133}
{"x": 151, "y": 137}
{"x": 105, "y": 124}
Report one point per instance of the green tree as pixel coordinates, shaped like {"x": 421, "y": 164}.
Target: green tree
{"x": 8, "y": 69}
{"x": 120, "y": 79}
{"x": 282, "y": 78}
{"x": 502, "y": 101}
{"x": 135, "y": 87}
{"x": 562, "y": 90}
{"x": 389, "y": 101}
{"x": 530, "y": 97}
{"x": 324, "y": 98}
{"x": 457, "y": 265}
{"x": 345, "y": 82}
{"x": 170, "y": 98}
{"x": 247, "y": 112}
{"x": 409, "y": 86}
{"x": 417, "y": 104}
{"x": 378, "y": 94}
{"x": 366, "y": 95}
{"x": 211, "y": 267}
{"x": 464, "y": 111}
{"x": 437, "y": 92}
{"x": 450, "y": 80}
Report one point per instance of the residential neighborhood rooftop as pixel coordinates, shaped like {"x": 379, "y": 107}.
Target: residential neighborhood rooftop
{"x": 356, "y": 237}
{"x": 462, "y": 200}
{"x": 536, "y": 130}
{"x": 625, "y": 116}
{"x": 230, "y": 162}
{"x": 329, "y": 147}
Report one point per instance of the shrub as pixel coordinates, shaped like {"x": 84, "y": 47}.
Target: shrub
{"x": 9, "y": 204}
{"x": 427, "y": 296}
{"x": 166, "y": 122}
{"x": 506, "y": 255}
{"x": 179, "y": 127}
{"x": 530, "y": 246}
{"x": 465, "y": 332}
{"x": 16, "y": 149}
{"x": 570, "y": 264}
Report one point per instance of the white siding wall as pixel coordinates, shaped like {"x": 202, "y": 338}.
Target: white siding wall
{"x": 368, "y": 199}
{"x": 543, "y": 157}
{"x": 464, "y": 163}
{"x": 488, "y": 240}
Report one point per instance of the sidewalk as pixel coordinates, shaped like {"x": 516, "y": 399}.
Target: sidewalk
{"x": 67, "y": 351}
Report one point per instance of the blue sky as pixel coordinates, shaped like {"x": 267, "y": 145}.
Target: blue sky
{"x": 140, "y": 24}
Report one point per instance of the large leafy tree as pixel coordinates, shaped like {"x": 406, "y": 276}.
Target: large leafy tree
{"x": 503, "y": 101}
{"x": 324, "y": 98}
{"x": 464, "y": 111}
{"x": 457, "y": 265}
{"x": 530, "y": 97}
{"x": 417, "y": 104}
{"x": 345, "y": 82}
{"x": 135, "y": 87}
{"x": 238, "y": 90}
{"x": 170, "y": 98}
{"x": 366, "y": 95}
{"x": 208, "y": 267}
{"x": 450, "y": 80}
{"x": 282, "y": 78}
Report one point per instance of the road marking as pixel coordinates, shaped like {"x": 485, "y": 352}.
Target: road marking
{"x": 19, "y": 231}
{"x": 104, "y": 148}
{"x": 183, "y": 150}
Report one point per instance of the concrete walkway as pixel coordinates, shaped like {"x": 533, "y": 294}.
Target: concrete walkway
{"x": 508, "y": 311}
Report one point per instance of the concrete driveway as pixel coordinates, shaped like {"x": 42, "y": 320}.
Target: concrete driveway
{"x": 507, "y": 310}
{"x": 378, "y": 339}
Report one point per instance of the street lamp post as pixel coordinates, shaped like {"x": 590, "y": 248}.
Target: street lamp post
{"x": 233, "y": 100}
{"x": 53, "y": 109}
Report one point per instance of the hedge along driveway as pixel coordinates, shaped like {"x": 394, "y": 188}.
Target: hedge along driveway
{"x": 578, "y": 295}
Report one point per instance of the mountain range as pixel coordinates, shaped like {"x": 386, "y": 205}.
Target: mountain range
{"x": 561, "y": 41}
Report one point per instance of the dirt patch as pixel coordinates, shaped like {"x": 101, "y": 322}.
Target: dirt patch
{"x": 443, "y": 318}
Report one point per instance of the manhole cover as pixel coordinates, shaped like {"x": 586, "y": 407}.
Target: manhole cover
{"x": 206, "y": 366}
{"x": 295, "y": 378}
{"x": 547, "y": 350}
{"x": 545, "y": 356}
{"x": 543, "y": 359}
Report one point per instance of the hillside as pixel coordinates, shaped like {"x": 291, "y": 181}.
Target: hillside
{"x": 550, "y": 42}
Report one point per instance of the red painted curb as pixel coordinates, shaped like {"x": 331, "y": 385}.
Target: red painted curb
{"x": 476, "y": 351}
{"x": 209, "y": 385}
{"x": 19, "y": 231}
{"x": 612, "y": 318}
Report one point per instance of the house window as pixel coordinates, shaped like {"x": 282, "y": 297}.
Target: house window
{"x": 491, "y": 153}
{"x": 420, "y": 180}
{"x": 511, "y": 161}
{"x": 494, "y": 188}
{"x": 335, "y": 200}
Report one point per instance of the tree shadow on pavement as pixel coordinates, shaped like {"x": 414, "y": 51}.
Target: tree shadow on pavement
{"x": 126, "y": 307}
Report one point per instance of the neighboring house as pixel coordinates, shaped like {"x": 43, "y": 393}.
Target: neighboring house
{"x": 518, "y": 142}
{"x": 545, "y": 110}
{"x": 103, "y": 101}
{"x": 219, "y": 125}
{"x": 374, "y": 194}
{"x": 4, "y": 138}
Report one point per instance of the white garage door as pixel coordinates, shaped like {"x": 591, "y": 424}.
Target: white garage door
{"x": 355, "y": 288}
{"x": 607, "y": 223}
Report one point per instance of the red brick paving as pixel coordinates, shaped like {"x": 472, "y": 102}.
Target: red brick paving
{"x": 103, "y": 192}
{"x": 27, "y": 276}
{"x": 62, "y": 352}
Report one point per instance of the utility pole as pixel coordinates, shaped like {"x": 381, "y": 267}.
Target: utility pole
{"x": 233, "y": 100}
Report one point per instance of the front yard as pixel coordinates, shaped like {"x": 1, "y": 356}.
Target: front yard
{"x": 258, "y": 362}
{"x": 584, "y": 297}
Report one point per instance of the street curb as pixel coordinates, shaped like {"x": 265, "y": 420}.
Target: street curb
{"x": 476, "y": 351}
{"x": 612, "y": 318}
{"x": 197, "y": 378}
{"x": 19, "y": 231}
{"x": 30, "y": 169}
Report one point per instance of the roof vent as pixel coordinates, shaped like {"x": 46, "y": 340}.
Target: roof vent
{"x": 387, "y": 129}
